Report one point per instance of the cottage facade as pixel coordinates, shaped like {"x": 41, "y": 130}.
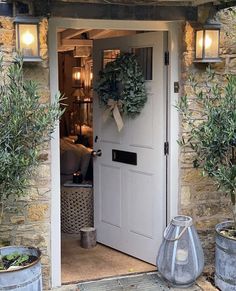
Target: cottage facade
{"x": 37, "y": 221}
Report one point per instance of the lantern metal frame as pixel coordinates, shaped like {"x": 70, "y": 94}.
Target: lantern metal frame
{"x": 77, "y": 82}
{"x": 208, "y": 26}
{"x": 27, "y": 20}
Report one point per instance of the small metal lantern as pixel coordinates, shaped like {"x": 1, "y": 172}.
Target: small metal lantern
{"x": 77, "y": 77}
{"x": 27, "y": 38}
{"x": 207, "y": 43}
{"x": 180, "y": 258}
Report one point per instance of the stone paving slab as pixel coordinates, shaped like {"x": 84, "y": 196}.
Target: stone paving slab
{"x": 145, "y": 282}
{"x": 141, "y": 282}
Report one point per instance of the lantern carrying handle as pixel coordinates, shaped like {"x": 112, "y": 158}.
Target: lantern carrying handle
{"x": 176, "y": 238}
{"x": 174, "y": 221}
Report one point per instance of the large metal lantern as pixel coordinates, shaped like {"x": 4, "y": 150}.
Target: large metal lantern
{"x": 207, "y": 43}
{"x": 180, "y": 258}
{"x": 27, "y": 38}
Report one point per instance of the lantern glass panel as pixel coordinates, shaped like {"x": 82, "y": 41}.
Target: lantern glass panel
{"x": 28, "y": 40}
{"x": 211, "y": 43}
{"x": 76, "y": 76}
{"x": 199, "y": 44}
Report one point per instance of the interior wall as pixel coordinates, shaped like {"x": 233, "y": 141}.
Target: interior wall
{"x": 75, "y": 113}
{"x": 65, "y": 63}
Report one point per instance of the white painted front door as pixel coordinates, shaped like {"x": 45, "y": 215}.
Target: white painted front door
{"x": 130, "y": 200}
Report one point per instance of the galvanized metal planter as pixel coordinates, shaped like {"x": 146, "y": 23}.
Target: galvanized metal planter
{"x": 225, "y": 259}
{"x": 28, "y": 278}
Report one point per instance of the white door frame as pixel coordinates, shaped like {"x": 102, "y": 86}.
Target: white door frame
{"x": 174, "y": 40}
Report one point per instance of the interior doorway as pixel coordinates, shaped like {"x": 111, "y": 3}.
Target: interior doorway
{"x": 55, "y": 25}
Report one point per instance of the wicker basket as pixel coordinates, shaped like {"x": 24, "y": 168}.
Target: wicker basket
{"x": 76, "y": 209}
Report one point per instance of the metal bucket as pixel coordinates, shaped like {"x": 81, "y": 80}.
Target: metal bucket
{"x": 28, "y": 278}
{"x": 225, "y": 260}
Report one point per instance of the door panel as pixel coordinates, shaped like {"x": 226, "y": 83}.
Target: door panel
{"x": 130, "y": 200}
{"x": 110, "y": 195}
{"x": 140, "y": 220}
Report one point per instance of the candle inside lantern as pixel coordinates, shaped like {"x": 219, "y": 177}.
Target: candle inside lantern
{"x": 181, "y": 256}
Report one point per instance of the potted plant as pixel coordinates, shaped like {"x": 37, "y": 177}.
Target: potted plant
{"x": 211, "y": 134}
{"x": 26, "y": 124}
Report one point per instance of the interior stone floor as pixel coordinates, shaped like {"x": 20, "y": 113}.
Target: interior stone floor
{"x": 80, "y": 264}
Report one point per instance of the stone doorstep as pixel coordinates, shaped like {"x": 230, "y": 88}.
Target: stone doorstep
{"x": 205, "y": 285}
{"x": 201, "y": 282}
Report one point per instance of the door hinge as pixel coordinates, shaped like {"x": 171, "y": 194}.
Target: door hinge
{"x": 167, "y": 59}
{"x": 166, "y": 148}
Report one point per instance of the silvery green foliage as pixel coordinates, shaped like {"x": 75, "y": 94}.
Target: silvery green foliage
{"x": 211, "y": 120}
{"x": 25, "y": 125}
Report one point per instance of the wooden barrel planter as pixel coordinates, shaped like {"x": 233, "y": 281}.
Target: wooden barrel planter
{"x": 26, "y": 278}
{"x": 225, "y": 259}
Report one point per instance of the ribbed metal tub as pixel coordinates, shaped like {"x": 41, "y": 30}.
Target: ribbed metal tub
{"x": 225, "y": 260}
{"x": 28, "y": 278}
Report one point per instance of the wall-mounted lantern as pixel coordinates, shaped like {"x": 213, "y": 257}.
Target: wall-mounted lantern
{"x": 207, "y": 42}
{"x": 77, "y": 77}
{"x": 27, "y": 38}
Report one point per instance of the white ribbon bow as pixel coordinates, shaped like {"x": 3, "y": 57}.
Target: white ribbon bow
{"x": 114, "y": 108}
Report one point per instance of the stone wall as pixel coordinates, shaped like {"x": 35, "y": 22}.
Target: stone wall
{"x": 198, "y": 195}
{"x": 29, "y": 223}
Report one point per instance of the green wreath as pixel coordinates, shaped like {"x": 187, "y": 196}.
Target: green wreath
{"x": 122, "y": 85}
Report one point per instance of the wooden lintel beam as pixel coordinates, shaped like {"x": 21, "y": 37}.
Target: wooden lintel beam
{"x": 122, "y": 12}
{"x": 6, "y": 9}
{"x": 64, "y": 48}
{"x": 76, "y": 42}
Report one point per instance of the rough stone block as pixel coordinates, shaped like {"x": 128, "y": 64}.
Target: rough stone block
{"x": 191, "y": 176}
{"x": 189, "y": 36}
{"x": 17, "y": 219}
{"x": 6, "y": 23}
{"x": 185, "y": 195}
{"x": 38, "y": 212}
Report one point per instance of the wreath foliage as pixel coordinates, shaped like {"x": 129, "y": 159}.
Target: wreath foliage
{"x": 122, "y": 80}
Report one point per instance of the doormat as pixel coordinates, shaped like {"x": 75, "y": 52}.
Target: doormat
{"x": 145, "y": 282}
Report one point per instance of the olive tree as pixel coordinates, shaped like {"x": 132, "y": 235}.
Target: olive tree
{"x": 211, "y": 121}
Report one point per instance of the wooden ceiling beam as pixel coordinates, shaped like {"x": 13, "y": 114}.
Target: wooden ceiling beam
{"x": 97, "y": 33}
{"x": 64, "y": 48}
{"x": 76, "y": 42}
{"x": 69, "y": 33}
